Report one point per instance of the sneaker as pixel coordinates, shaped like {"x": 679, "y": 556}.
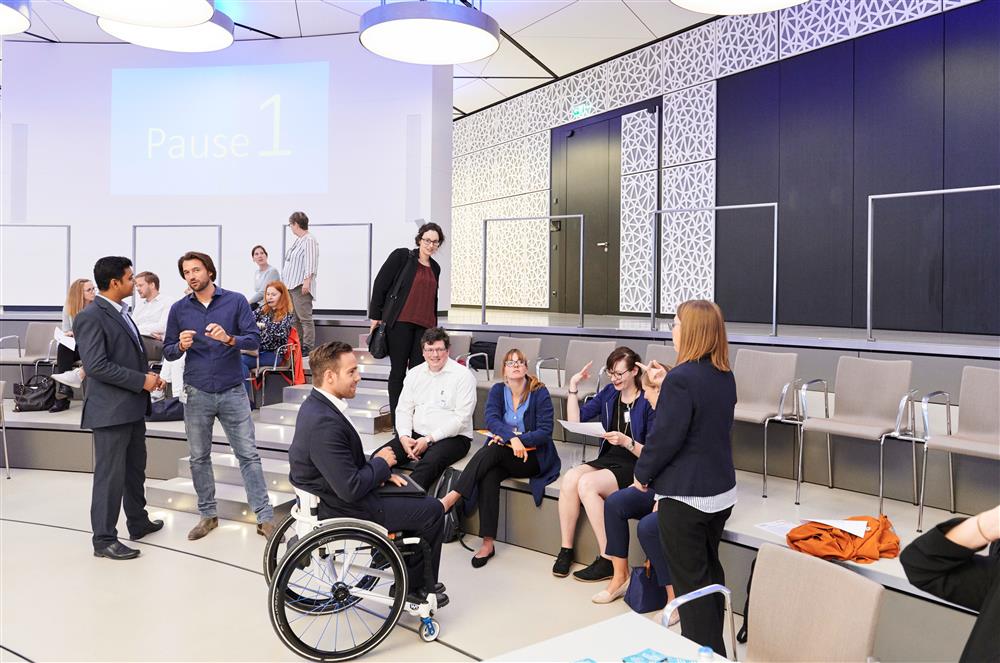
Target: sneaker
{"x": 600, "y": 569}
{"x": 563, "y": 561}
{"x": 70, "y": 378}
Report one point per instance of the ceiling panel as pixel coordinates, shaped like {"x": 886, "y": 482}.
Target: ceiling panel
{"x": 39, "y": 27}
{"x": 567, "y": 54}
{"x": 665, "y": 18}
{"x": 277, "y": 17}
{"x": 511, "y": 87}
{"x": 68, "y": 23}
{"x": 516, "y": 15}
{"x": 358, "y": 7}
{"x": 324, "y": 18}
{"x": 475, "y": 95}
{"x": 597, "y": 19}
{"x": 509, "y": 60}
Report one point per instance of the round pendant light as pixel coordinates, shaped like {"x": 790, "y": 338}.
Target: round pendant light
{"x": 730, "y": 7}
{"x": 429, "y": 32}
{"x": 15, "y": 16}
{"x": 151, "y": 13}
{"x": 212, "y": 35}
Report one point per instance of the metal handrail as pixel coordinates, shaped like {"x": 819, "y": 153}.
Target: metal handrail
{"x": 654, "y": 290}
{"x": 369, "y": 225}
{"x": 535, "y": 218}
{"x": 904, "y": 194}
{"x": 697, "y": 594}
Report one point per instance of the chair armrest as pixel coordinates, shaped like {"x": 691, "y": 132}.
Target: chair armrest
{"x": 904, "y": 402}
{"x": 538, "y": 368}
{"x": 48, "y": 350}
{"x": 826, "y": 397}
{"x": 20, "y": 353}
{"x": 279, "y": 352}
{"x": 789, "y": 386}
{"x": 486, "y": 359}
{"x": 697, "y": 594}
{"x": 925, "y": 410}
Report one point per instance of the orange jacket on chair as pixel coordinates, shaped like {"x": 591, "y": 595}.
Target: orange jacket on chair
{"x": 830, "y": 542}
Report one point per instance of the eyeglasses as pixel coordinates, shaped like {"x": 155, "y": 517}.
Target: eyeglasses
{"x": 616, "y": 375}
{"x": 435, "y": 351}
{"x": 673, "y": 323}
{"x": 430, "y": 242}
{"x": 514, "y": 363}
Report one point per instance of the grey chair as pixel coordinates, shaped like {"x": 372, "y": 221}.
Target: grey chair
{"x": 873, "y": 398}
{"x": 839, "y": 610}
{"x": 528, "y": 346}
{"x": 765, "y": 392}
{"x": 978, "y": 431}
{"x": 665, "y": 354}
{"x": 284, "y": 362}
{"x": 3, "y": 430}
{"x": 578, "y": 354}
{"x": 39, "y": 346}
{"x": 459, "y": 344}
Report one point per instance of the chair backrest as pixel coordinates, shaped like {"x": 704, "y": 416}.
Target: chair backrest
{"x": 459, "y": 344}
{"x": 978, "y": 413}
{"x": 528, "y": 346}
{"x": 870, "y": 389}
{"x": 578, "y": 353}
{"x": 362, "y": 340}
{"x": 665, "y": 354}
{"x": 760, "y": 376}
{"x": 804, "y": 608}
{"x": 3, "y": 387}
{"x": 37, "y": 337}
{"x": 154, "y": 348}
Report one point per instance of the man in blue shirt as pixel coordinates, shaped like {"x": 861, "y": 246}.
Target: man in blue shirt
{"x": 209, "y": 327}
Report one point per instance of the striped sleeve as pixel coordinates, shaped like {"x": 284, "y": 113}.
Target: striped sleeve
{"x": 311, "y": 256}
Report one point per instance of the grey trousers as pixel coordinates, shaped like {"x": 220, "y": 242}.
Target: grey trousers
{"x": 304, "y": 317}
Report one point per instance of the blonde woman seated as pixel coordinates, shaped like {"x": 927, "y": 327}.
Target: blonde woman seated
{"x": 81, "y": 293}
{"x": 625, "y": 414}
{"x": 519, "y": 417}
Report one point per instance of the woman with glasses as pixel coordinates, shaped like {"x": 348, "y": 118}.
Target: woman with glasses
{"x": 625, "y": 414}
{"x": 404, "y": 299}
{"x": 519, "y": 417}
{"x": 81, "y": 293}
{"x": 688, "y": 463}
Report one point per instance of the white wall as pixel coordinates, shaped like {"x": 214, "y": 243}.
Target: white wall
{"x": 387, "y": 153}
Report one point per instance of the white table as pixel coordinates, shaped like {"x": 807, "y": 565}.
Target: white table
{"x": 610, "y": 640}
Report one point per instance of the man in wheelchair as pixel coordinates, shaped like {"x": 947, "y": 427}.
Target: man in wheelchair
{"x": 326, "y": 459}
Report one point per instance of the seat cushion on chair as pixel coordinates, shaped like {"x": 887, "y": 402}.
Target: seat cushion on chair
{"x": 858, "y": 429}
{"x": 965, "y": 446}
{"x": 753, "y": 415}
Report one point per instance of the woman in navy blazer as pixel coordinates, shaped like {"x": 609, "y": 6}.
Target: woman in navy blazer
{"x": 688, "y": 462}
{"x": 519, "y": 417}
{"x": 625, "y": 413}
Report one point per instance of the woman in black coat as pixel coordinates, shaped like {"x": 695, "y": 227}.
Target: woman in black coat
{"x": 404, "y": 298}
{"x": 943, "y": 562}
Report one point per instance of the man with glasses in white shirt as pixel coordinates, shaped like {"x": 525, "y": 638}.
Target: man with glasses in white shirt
{"x": 434, "y": 414}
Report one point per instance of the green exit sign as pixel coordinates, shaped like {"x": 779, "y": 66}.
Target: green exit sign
{"x": 581, "y": 110}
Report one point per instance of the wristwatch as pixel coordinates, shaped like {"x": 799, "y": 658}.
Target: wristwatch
{"x": 631, "y": 445}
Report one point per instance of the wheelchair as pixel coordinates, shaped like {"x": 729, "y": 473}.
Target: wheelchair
{"x": 337, "y": 587}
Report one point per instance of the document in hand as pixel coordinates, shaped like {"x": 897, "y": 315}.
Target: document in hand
{"x": 592, "y": 428}
{"x": 63, "y": 339}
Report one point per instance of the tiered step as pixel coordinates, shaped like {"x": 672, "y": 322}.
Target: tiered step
{"x": 227, "y": 470}
{"x": 366, "y": 421}
{"x": 178, "y": 494}
{"x": 365, "y": 358}
{"x": 367, "y": 398}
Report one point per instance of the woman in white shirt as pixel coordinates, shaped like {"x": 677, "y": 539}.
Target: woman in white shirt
{"x": 265, "y": 274}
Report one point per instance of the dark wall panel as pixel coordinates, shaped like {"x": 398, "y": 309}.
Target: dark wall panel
{"x": 746, "y": 172}
{"x": 816, "y": 187}
{"x": 898, "y": 146}
{"x": 972, "y": 158}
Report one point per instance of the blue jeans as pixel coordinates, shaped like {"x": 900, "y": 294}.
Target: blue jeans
{"x": 249, "y": 361}
{"x": 628, "y": 503}
{"x": 232, "y": 410}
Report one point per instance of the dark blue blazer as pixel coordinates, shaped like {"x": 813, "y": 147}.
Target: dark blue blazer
{"x": 538, "y": 420}
{"x": 603, "y": 404}
{"x": 326, "y": 458}
{"x": 116, "y": 367}
{"x": 689, "y": 452}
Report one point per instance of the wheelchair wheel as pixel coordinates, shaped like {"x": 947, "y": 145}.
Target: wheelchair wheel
{"x": 330, "y": 597}
{"x": 284, "y": 536}
{"x": 429, "y": 631}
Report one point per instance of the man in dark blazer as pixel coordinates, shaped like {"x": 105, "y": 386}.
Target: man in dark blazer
{"x": 116, "y": 403}
{"x": 327, "y": 459}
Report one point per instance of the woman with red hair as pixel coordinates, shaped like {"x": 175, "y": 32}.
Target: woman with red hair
{"x": 274, "y": 320}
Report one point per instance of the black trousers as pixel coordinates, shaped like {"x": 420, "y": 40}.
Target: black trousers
{"x": 435, "y": 460}
{"x": 486, "y": 471}
{"x": 65, "y": 358}
{"x": 424, "y": 517}
{"x": 119, "y": 475}
{"x": 404, "y": 352}
{"x": 691, "y": 540}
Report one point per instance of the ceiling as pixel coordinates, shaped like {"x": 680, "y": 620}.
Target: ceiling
{"x": 542, "y": 39}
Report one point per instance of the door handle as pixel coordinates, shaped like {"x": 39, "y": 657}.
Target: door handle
{"x": 604, "y": 244}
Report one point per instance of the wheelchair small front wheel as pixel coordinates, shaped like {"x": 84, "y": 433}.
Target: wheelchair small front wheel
{"x": 430, "y": 630}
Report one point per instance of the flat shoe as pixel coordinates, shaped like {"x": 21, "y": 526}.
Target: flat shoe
{"x": 604, "y": 596}
{"x": 480, "y": 562}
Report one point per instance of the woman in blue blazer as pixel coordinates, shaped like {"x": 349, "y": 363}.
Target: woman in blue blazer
{"x": 519, "y": 417}
{"x": 625, "y": 413}
{"x": 688, "y": 463}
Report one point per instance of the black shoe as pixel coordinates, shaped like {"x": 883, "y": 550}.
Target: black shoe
{"x": 61, "y": 405}
{"x": 480, "y": 562}
{"x": 148, "y": 528}
{"x": 564, "y": 560}
{"x": 117, "y": 550}
{"x": 600, "y": 569}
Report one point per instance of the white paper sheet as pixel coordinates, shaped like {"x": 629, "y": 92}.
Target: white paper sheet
{"x": 592, "y": 428}
{"x": 779, "y": 528}
{"x": 855, "y": 527}
{"x": 63, "y": 339}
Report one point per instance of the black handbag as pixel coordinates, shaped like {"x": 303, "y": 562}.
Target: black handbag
{"x": 378, "y": 344}
{"x": 36, "y": 394}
